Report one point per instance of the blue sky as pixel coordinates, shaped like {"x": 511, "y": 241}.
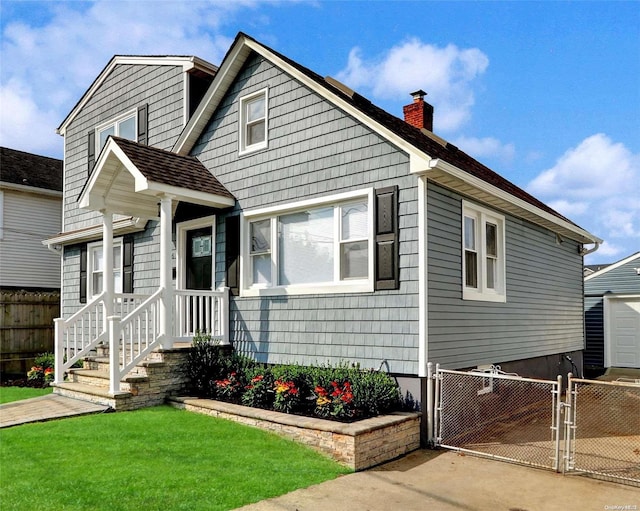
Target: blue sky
{"x": 545, "y": 93}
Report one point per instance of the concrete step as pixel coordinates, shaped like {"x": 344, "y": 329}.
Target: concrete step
{"x": 92, "y": 393}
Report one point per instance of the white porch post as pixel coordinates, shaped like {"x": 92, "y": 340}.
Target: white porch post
{"x": 107, "y": 259}
{"x": 166, "y": 304}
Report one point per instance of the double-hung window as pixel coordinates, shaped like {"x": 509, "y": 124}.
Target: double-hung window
{"x": 253, "y": 122}
{"x": 483, "y": 258}
{"x": 95, "y": 267}
{"x": 317, "y": 246}
{"x": 123, "y": 127}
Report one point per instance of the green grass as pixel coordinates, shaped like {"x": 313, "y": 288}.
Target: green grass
{"x": 9, "y": 394}
{"x": 152, "y": 459}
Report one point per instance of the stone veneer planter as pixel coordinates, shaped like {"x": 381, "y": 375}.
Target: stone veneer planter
{"x": 358, "y": 445}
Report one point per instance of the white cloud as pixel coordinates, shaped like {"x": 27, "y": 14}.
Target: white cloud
{"x": 597, "y": 184}
{"x": 487, "y": 147}
{"x": 60, "y": 58}
{"x": 447, "y": 74}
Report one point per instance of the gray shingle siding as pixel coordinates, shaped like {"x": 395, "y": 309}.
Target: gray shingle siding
{"x": 543, "y": 311}
{"x": 127, "y": 87}
{"x": 314, "y": 150}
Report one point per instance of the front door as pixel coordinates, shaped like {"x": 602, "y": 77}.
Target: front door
{"x": 199, "y": 260}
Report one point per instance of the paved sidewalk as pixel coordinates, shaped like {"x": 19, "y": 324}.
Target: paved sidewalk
{"x": 448, "y": 481}
{"x": 44, "y": 408}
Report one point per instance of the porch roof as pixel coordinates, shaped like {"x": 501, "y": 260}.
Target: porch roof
{"x": 129, "y": 178}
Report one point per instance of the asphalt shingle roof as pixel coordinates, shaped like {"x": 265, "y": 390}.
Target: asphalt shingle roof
{"x": 171, "y": 169}
{"x": 448, "y": 152}
{"x": 21, "y": 168}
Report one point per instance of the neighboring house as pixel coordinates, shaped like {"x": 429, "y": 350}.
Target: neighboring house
{"x": 30, "y": 210}
{"x": 592, "y": 268}
{"x": 343, "y": 232}
{"x": 612, "y": 315}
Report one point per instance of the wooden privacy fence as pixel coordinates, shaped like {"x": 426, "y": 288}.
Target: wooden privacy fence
{"x": 26, "y": 328}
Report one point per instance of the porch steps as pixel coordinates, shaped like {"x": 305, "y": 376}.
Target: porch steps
{"x": 155, "y": 378}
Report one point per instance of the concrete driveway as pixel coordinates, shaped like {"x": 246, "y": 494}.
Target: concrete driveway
{"x": 448, "y": 481}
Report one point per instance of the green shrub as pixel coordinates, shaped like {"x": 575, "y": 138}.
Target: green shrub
{"x": 344, "y": 392}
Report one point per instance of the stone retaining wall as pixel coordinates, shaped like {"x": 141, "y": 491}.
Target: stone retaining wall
{"x": 358, "y": 445}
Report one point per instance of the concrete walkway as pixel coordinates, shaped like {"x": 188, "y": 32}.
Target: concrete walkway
{"x": 448, "y": 481}
{"x": 44, "y": 408}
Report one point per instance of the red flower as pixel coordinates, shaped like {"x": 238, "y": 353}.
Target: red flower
{"x": 258, "y": 378}
{"x": 320, "y": 391}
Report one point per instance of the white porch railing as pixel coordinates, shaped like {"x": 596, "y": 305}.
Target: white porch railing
{"x": 202, "y": 311}
{"x": 135, "y": 328}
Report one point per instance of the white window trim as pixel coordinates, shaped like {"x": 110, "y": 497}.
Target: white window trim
{"x": 114, "y": 121}
{"x": 482, "y": 293}
{"x": 365, "y": 285}
{"x": 242, "y": 147}
{"x": 181, "y": 249}
{"x": 91, "y": 248}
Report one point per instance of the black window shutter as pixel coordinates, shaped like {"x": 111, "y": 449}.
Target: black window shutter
{"x": 127, "y": 265}
{"x": 83, "y": 274}
{"x": 142, "y": 125}
{"x": 387, "y": 239}
{"x": 232, "y": 256}
{"x": 91, "y": 151}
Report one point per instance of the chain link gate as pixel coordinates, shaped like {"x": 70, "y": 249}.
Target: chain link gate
{"x": 603, "y": 429}
{"x": 499, "y": 415}
{"x": 595, "y": 430}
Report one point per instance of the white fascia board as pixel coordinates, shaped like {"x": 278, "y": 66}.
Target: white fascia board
{"x": 34, "y": 190}
{"x": 228, "y": 72}
{"x": 490, "y": 189}
{"x": 122, "y": 226}
{"x": 613, "y": 266}
{"x": 111, "y": 149}
{"x": 186, "y": 63}
{"x": 185, "y": 194}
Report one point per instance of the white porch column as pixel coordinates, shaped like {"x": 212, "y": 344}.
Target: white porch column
{"x": 166, "y": 304}
{"x": 107, "y": 260}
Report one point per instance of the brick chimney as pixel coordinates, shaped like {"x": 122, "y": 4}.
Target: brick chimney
{"x": 419, "y": 113}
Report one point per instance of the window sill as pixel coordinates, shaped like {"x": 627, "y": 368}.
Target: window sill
{"x": 252, "y": 149}
{"x": 319, "y": 289}
{"x": 469, "y": 294}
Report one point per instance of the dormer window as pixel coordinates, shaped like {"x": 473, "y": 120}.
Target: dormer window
{"x": 123, "y": 127}
{"x": 253, "y": 122}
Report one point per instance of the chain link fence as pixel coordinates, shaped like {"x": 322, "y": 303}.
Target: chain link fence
{"x": 604, "y": 430}
{"x": 499, "y": 415}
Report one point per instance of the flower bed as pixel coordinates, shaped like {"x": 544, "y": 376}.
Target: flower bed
{"x": 343, "y": 393}
{"x": 358, "y": 445}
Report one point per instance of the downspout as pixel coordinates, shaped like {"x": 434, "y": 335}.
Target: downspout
{"x": 587, "y": 251}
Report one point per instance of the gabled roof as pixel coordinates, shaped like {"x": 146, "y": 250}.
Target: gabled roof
{"x": 30, "y": 170}
{"x": 129, "y": 177}
{"x": 187, "y": 63}
{"x": 429, "y": 155}
{"x": 613, "y": 266}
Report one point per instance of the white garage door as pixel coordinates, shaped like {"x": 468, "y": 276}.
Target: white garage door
{"x": 622, "y": 331}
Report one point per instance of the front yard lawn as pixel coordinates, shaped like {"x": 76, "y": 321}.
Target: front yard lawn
{"x": 9, "y": 394}
{"x": 155, "y": 458}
